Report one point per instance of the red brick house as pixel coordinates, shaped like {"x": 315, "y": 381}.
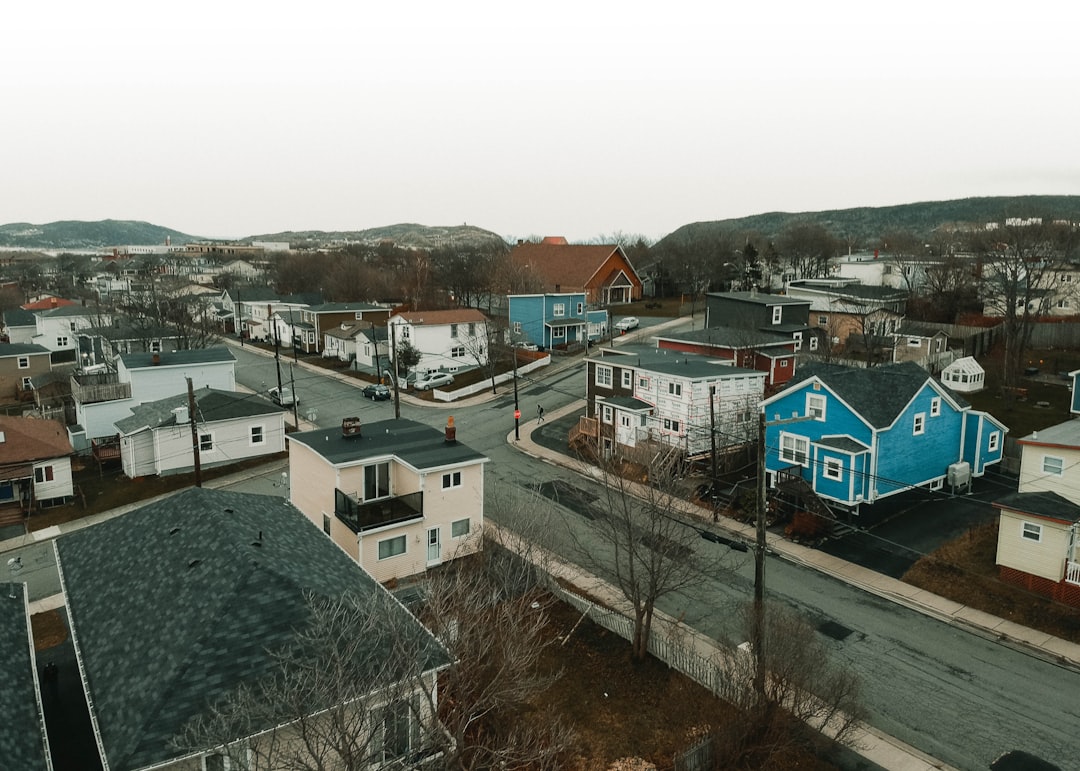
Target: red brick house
{"x": 603, "y": 273}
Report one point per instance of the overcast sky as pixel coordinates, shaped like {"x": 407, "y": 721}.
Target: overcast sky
{"x": 226, "y": 119}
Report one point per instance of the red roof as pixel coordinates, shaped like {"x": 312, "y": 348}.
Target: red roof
{"x": 570, "y": 266}
{"x": 46, "y": 303}
{"x": 29, "y": 439}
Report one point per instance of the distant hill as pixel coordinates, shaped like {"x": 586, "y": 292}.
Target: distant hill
{"x": 865, "y": 225}
{"x": 75, "y": 234}
{"x": 405, "y": 234}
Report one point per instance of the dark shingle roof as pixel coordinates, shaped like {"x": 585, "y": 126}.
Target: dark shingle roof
{"x": 176, "y": 604}
{"x": 21, "y": 349}
{"x": 731, "y": 337}
{"x": 21, "y": 742}
{"x": 760, "y": 298}
{"x": 879, "y": 394}
{"x": 17, "y": 317}
{"x": 1043, "y": 504}
{"x": 420, "y": 446}
{"x": 212, "y": 405}
{"x": 178, "y": 358}
{"x": 842, "y": 443}
{"x": 346, "y": 307}
{"x": 674, "y": 363}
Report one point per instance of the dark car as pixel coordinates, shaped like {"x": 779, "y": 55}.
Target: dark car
{"x": 377, "y": 392}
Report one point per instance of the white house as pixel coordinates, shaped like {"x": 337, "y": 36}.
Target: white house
{"x": 358, "y": 342}
{"x": 58, "y": 328}
{"x": 447, "y": 340}
{"x": 102, "y": 398}
{"x": 35, "y": 463}
{"x": 156, "y": 439}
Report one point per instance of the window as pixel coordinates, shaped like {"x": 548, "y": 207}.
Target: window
{"x": 914, "y": 342}
{"x": 671, "y": 425}
{"x": 400, "y": 731}
{"x": 326, "y": 523}
{"x": 794, "y": 449}
{"x": 822, "y": 321}
{"x": 935, "y": 406}
{"x": 391, "y": 547}
{"x": 457, "y": 352}
{"x": 377, "y": 481}
{"x": 453, "y": 331}
{"x": 919, "y": 424}
{"x": 993, "y": 441}
{"x": 815, "y": 406}
{"x": 216, "y": 762}
{"x": 258, "y": 435}
{"x": 1063, "y": 304}
{"x": 606, "y": 413}
{"x": 798, "y": 340}
{"x": 406, "y": 331}
{"x": 61, "y": 341}
{"x": 558, "y": 310}
{"x": 43, "y": 474}
{"x": 155, "y": 346}
{"x": 24, "y": 362}
{"x": 459, "y": 528}
{"x": 813, "y": 342}
{"x": 643, "y": 382}
{"x": 472, "y": 329}
{"x": 624, "y": 420}
{"x": 452, "y": 479}
{"x": 206, "y": 442}
{"x": 27, "y": 384}
{"x": 603, "y": 376}
{"x": 777, "y": 314}
{"x": 1030, "y": 531}
{"x": 782, "y": 363}
{"x": 558, "y": 332}
{"x": 674, "y": 389}
{"x": 517, "y": 327}
{"x": 1052, "y": 465}
{"x": 834, "y": 468}
{"x": 627, "y": 378}
{"x": 580, "y": 308}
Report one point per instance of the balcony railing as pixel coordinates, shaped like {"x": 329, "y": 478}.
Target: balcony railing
{"x": 361, "y": 516}
{"x": 1072, "y": 573}
{"x": 98, "y": 387}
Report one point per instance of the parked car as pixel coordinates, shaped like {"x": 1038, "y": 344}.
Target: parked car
{"x": 283, "y": 397}
{"x": 433, "y": 380}
{"x": 627, "y": 323}
{"x": 526, "y": 346}
{"x": 377, "y": 392}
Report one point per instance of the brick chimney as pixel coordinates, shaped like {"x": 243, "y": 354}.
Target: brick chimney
{"x": 451, "y": 432}
{"x": 155, "y": 359}
{"x": 350, "y": 427}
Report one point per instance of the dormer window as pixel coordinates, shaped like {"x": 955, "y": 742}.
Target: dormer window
{"x": 777, "y": 314}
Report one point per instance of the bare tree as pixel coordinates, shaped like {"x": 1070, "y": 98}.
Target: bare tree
{"x": 805, "y": 691}
{"x": 488, "y": 347}
{"x": 806, "y": 248}
{"x": 902, "y": 249}
{"x": 646, "y": 544}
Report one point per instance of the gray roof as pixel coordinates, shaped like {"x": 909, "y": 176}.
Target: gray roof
{"x": 346, "y": 307}
{"x": 729, "y": 337}
{"x": 1043, "y": 504}
{"x": 860, "y": 291}
{"x": 915, "y": 329}
{"x": 21, "y": 349}
{"x": 211, "y": 355}
{"x": 21, "y": 742}
{"x": 1065, "y": 434}
{"x": 628, "y": 403}
{"x": 842, "y": 443}
{"x": 212, "y": 405}
{"x": 879, "y": 394}
{"x": 759, "y": 298}
{"x": 75, "y": 310}
{"x": 675, "y": 363}
{"x": 420, "y": 446}
{"x": 565, "y": 321}
{"x": 17, "y": 317}
{"x": 178, "y": 603}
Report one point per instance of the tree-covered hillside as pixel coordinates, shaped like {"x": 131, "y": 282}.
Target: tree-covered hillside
{"x": 404, "y": 235}
{"x": 76, "y": 234}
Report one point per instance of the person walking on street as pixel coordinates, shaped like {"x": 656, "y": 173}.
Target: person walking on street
{"x": 539, "y": 413}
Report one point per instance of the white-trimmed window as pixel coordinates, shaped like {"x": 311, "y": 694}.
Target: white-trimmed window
{"x": 400, "y": 733}
{"x": 1030, "y": 531}
{"x": 777, "y": 314}
{"x": 558, "y": 310}
{"x": 627, "y": 378}
{"x": 813, "y": 342}
{"x": 451, "y": 479}
{"x": 517, "y": 327}
{"x": 27, "y": 384}
{"x": 43, "y": 474}
{"x": 606, "y": 413}
{"x": 580, "y": 308}
{"x": 155, "y": 346}
{"x": 457, "y": 352}
{"x": 453, "y": 331}
{"x": 24, "y": 362}
{"x": 918, "y": 425}
{"x": 603, "y": 375}
{"x": 643, "y": 383}
{"x": 674, "y": 389}
{"x": 1063, "y": 304}
{"x": 216, "y": 761}
{"x": 822, "y": 320}
{"x": 794, "y": 449}
{"x": 624, "y": 420}
{"x": 459, "y": 528}
{"x": 391, "y": 547}
{"x": 258, "y": 435}
{"x": 671, "y": 425}
{"x": 834, "y": 468}
{"x": 815, "y": 406}
{"x": 406, "y": 331}
{"x": 206, "y": 442}
{"x": 993, "y": 441}
{"x": 558, "y": 333}
{"x": 935, "y": 406}
{"x": 377, "y": 481}
{"x": 1053, "y": 465}
{"x": 798, "y": 341}
{"x": 61, "y": 341}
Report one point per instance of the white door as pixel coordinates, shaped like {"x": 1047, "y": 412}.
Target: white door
{"x": 434, "y": 546}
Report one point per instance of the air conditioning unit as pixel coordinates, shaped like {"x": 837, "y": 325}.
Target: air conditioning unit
{"x": 959, "y": 474}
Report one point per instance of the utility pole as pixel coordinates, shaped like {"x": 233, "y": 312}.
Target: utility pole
{"x": 712, "y": 444}
{"x": 517, "y": 407}
{"x": 277, "y": 356}
{"x": 295, "y": 401}
{"x": 194, "y": 432}
{"x": 758, "y": 631}
{"x": 239, "y": 318}
{"x": 375, "y": 342}
{"x": 394, "y": 353}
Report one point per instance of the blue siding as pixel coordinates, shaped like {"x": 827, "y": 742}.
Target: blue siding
{"x": 529, "y": 312}
{"x": 839, "y": 420}
{"x": 906, "y": 460}
{"x": 977, "y": 452}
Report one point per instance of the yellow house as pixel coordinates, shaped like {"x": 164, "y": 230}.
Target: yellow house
{"x": 398, "y": 496}
{"x": 1039, "y": 526}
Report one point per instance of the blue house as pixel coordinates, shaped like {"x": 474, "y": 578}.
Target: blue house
{"x": 552, "y": 320}
{"x": 855, "y": 435}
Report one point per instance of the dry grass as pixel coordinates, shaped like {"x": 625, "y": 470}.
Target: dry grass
{"x": 964, "y": 570}
{"x": 49, "y": 629}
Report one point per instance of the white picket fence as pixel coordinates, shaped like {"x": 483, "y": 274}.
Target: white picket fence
{"x": 483, "y": 385}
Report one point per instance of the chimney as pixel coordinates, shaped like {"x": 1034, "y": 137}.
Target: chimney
{"x": 451, "y": 432}
{"x": 350, "y": 427}
{"x": 182, "y": 416}
{"x": 52, "y": 302}
{"x": 155, "y": 360}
